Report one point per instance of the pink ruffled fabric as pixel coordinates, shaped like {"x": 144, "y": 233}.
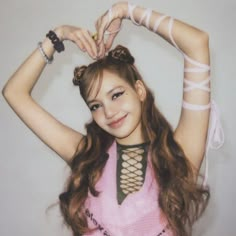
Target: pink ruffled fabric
{"x": 139, "y": 214}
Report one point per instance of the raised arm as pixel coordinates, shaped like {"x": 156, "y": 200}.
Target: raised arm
{"x": 191, "y": 131}
{"x": 17, "y": 91}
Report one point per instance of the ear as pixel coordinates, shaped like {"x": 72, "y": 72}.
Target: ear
{"x": 141, "y": 90}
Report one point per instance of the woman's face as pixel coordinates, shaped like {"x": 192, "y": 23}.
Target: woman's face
{"x": 116, "y": 108}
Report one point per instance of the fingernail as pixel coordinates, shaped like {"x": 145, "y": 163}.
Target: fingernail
{"x": 94, "y": 56}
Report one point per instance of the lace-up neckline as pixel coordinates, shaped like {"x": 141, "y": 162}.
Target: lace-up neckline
{"x": 131, "y": 169}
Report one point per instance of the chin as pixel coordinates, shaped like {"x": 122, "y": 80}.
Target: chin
{"x": 128, "y": 137}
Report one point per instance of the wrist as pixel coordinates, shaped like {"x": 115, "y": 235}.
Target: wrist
{"x": 134, "y": 13}
{"x": 122, "y": 9}
{"x": 60, "y": 32}
{"x": 56, "y": 41}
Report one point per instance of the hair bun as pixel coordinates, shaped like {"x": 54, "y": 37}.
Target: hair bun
{"x": 78, "y": 74}
{"x": 121, "y": 54}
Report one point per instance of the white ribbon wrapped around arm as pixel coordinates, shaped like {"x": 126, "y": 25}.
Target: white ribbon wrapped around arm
{"x": 215, "y": 138}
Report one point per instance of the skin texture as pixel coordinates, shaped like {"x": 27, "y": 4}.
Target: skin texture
{"x": 192, "y": 128}
{"x": 191, "y": 131}
{"x": 116, "y": 108}
{"x": 119, "y": 114}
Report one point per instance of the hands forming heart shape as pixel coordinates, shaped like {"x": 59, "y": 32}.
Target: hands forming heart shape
{"x": 108, "y": 26}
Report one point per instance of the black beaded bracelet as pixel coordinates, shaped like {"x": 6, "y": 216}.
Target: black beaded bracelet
{"x": 58, "y": 45}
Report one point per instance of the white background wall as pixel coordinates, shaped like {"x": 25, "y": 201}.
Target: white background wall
{"x": 32, "y": 176}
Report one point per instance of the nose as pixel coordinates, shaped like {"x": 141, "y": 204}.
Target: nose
{"x": 110, "y": 110}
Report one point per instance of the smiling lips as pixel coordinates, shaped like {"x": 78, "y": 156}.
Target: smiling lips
{"x": 117, "y": 123}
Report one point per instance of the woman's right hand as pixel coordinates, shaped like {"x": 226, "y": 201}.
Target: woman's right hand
{"x": 109, "y": 24}
{"x": 81, "y": 37}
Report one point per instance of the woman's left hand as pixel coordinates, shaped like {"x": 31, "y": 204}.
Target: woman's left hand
{"x": 109, "y": 24}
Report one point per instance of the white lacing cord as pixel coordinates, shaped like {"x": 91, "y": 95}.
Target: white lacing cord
{"x": 130, "y": 13}
{"x": 145, "y": 18}
{"x": 158, "y": 22}
{"x": 109, "y": 20}
{"x": 215, "y": 132}
{"x": 215, "y": 137}
{"x": 192, "y": 85}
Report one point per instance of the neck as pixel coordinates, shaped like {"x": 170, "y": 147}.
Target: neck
{"x": 132, "y": 139}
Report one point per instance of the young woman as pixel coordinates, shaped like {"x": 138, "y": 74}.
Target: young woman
{"x": 131, "y": 174}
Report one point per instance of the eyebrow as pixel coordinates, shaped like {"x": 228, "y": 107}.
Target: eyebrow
{"x": 109, "y": 92}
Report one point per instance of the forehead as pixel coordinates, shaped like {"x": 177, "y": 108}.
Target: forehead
{"x": 105, "y": 84}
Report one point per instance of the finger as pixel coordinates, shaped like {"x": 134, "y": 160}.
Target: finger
{"x": 102, "y": 25}
{"x": 91, "y": 42}
{"x": 79, "y": 43}
{"x": 97, "y": 25}
{"x": 74, "y": 35}
{"x": 101, "y": 50}
{"x": 109, "y": 41}
{"x": 86, "y": 43}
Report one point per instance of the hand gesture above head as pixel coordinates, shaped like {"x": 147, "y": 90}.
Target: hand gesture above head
{"x": 108, "y": 26}
{"x": 81, "y": 37}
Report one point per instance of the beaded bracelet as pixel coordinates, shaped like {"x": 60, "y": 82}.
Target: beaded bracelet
{"x": 45, "y": 57}
{"x": 58, "y": 45}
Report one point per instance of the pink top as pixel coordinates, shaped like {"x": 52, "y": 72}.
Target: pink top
{"x": 139, "y": 213}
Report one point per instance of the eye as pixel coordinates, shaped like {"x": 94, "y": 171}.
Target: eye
{"x": 94, "y": 107}
{"x": 116, "y": 95}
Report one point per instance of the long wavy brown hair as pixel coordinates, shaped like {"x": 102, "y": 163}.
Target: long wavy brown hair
{"x": 181, "y": 199}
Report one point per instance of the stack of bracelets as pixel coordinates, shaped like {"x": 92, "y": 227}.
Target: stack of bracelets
{"x": 57, "y": 44}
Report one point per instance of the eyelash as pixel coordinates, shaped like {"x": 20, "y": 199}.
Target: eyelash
{"x": 114, "y": 97}
{"x": 94, "y": 107}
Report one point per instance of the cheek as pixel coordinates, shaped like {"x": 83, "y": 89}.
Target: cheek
{"x": 129, "y": 101}
{"x": 134, "y": 103}
{"x": 97, "y": 117}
